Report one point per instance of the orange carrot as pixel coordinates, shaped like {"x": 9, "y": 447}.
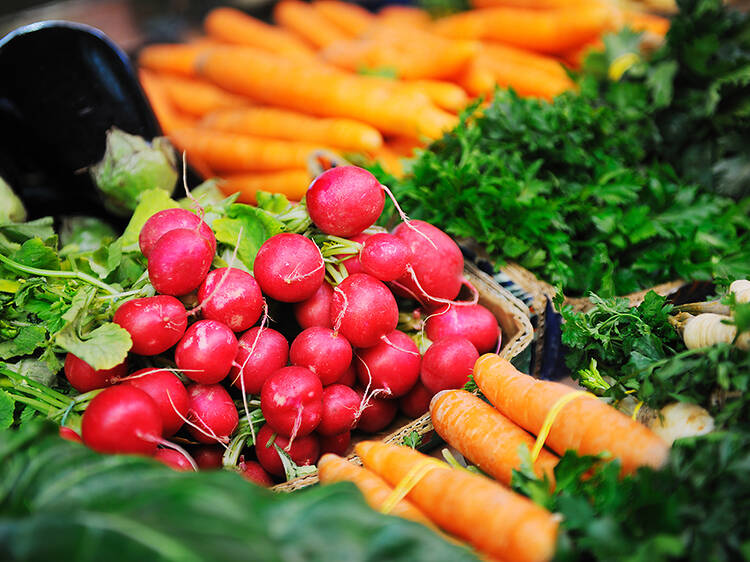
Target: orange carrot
{"x": 493, "y": 519}
{"x": 446, "y": 95}
{"x": 233, "y": 26}
{"x": 351, "y": 18}
{"x": 398, "y": 15}
{"x": 292, "y": 183}
{"x": 586, "y": 425}
{"x": 225, "y": 152}
{"x": 323, "y": 91}
{"x": 390, "y": 160}
{"x": 650, "y": 23}
{"x": 404, "y": 146}
{"x": 166, "y": 114}
{"x": 173, "y": 59}
{"x": 307, "y": 23}
{"x": 485, "y": 436}
{"x": 575, "y": 57}
{"x": 197, "y": 97}
{"x": 530, "y": 59}
{"x": 530, "y": 4}
{"x": 284, "y": 124}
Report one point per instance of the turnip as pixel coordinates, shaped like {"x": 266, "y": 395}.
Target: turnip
{"x": 315, "y": 311}
{"x": 363, "y": 310}
{"x": 416, "y": 402}
{"x": 448, "y": 363}
{"x": 174, "y": 459}
{"x": 206, "y": 352}
{"x": 122, "y": 419}
{"x": 385, "y": 256}
{"x": 336, "y": 444}
{"x": 391, "y": 367}
{"x": 304, "y": 451}
{"x": 345, "y": 200}
{"x": 167, "y": 392}
{"x": 170, "y": 219}
{"x": 340, "y": 409}
{"x": 208, "y": 457}
{"x": 83, "y": 377}
{"x": 323, "y": 351}
{"x": 261, "y": 352}
{"x": 377, "y": 414}
{"x": 231, "y": 296}
{"x": 154, "y": 323}
{"x": 292, "y": 402}
{"x": 212, "y": 415}
{"x": 254, "y": 472}
{"x": 289, "y": 267}
{"x": 179, "y": 261}
{"x": 473, "y": 322}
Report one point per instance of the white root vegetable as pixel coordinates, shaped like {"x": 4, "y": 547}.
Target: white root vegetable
{"x": 709, "y": 329}
{"x": 681, "y": 419}
{"x": 741, "y": 290}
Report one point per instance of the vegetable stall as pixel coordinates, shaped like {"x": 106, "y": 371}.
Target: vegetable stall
{"x": 331, "y": 267}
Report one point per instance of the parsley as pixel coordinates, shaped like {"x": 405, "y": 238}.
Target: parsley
{"x": 412, "y": 440}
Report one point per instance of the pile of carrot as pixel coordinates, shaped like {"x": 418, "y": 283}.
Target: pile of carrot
{"x": 250, "y": 100}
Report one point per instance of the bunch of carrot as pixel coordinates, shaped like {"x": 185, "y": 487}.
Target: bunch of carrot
{"x": 249, "y": 101}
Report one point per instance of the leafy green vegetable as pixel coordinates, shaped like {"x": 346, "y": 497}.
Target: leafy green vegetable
{"x": 11, "y": 207}
{"x": 84, "y": 234}
{"x": 257, "y": 226}
{"x": 412, "y": 440}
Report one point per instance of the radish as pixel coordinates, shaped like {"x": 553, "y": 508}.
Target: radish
{"x": 416, "y": 402}
{"x": 436, "y": 267}
{"x": 315, "y": 311}
{"x": 345, "y": 200}
{"x": 261, "y": 352}
{"x": 167, "y": 392}
{"x": 377, "y": 415}
{"x": 352, "y": 264}
{"x": 292, "y": 401}
{"x": 231, "y": 296}
{"x": 173, "y": 459}
{"x": 122, "y": 419}
{"x": 170, "y": 219}
{"x": 154, "y": 323}
{"x": 83, "y": 377}
{"x": 254, "y": 472}
{"x": 448, "y": 363}
{"x": 304, "y": 451}
{"x": 323, "y": 351}
{"x": 349, "y": 378}
{"x": 474, "y": 322}
{"x": 208, "y": 457}
{"x": 179, "y": 261}
{"x": 336, "y": 444}
{"x": 70, "y": 435}
{"x": 289, "y": 267}
{"x": 340, "y": 407}
{"x": 363, "y": 310}
{"x": 206, "y": 352}
{"x": 212, "y": 414}
{"x": 391, "y": 367}
{"x": 385, "y": 256}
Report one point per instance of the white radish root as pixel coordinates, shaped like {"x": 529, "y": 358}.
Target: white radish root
{"x": 741, "y": 290}
{"x": 681, "y": 419}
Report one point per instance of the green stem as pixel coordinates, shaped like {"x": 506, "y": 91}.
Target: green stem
{"x": 51, "y": 273}
{"x": 26, "y": 382}
{"x": 46, "y": 409}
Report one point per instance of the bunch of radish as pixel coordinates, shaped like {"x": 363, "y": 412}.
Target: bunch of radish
{"x": 343, "y": 366}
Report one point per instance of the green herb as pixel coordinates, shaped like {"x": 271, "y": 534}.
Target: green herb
{"x": 412, "y": 440}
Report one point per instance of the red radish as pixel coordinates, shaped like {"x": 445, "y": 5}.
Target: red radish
{"x": 352, "y": 263}
{"x": 323, "y": 351}
{"x": 336, "y": 444}
{"x": 122, "y": 419}
{"x": 83, "y": 377}
{"x": 252, "y": 471}
{"x": 179, "y": 261}
{"x": 70, "y": 435}
{"x": 363, "y": 310}
{"x": 385, "y": 256}
{"x": 315, "y": 311}
{"x": 391, "y": 366}
{"x": 170, "y": 219}
{"x": 231, "y": 296}
{"x": 340, "y": 407}
{"x": 292, "y": 401}
{"x": 212, "y": 411}
{"x": 154, "y": 323}
{"x": 345, "y": 200}
{"x": 304, "y": 451}
{"x": 436, "y": 262}
{"x": 208, "y": 457}
{"x": 473, "y": 322}
{"x": 206, "y": 351}
{"x": 167, "y": 392}
{"x": 378, "y": 414}
{"x": 448, "y": 363}
{"x": 173, "y": 459}
{"x": 257, "y": 363}
{"x": 416, "y": 402}
{"x": 349, "y": 378}
{"x": 289, "y": 267}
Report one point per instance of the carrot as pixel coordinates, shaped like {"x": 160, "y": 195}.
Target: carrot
{"x": 327, "y": 92}
{"x": 351, "y": 18}
{"x": 443, "y": 94}
{"x": 650, "y": 23}
{"x": 307, "y": 23}
{"x": 173, "y": 59}
{"x": 575, "y": 57}
{"x": 404, "y": 146}
{"x": 197, "y": 97}
{"x": 585, "y": 425}
{"x": 226, "y": 152}
{"x": 398, "y": 15}
{"x": 332, "y": 468}
{"x": 485, "y": 436}
{"x": 493, "y": 519}
{"x": 502, "y": 52}
{"x": 529, "y": 4}
{"x": 166, "y": 114}
{"x": 233, "y": 26}
{"x": 284, "y": 124}
{"x": 292, "y": 183}
{"x": 390, "y": 160}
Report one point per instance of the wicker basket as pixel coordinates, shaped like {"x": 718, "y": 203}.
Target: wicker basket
{"x": 517, "y": 333}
